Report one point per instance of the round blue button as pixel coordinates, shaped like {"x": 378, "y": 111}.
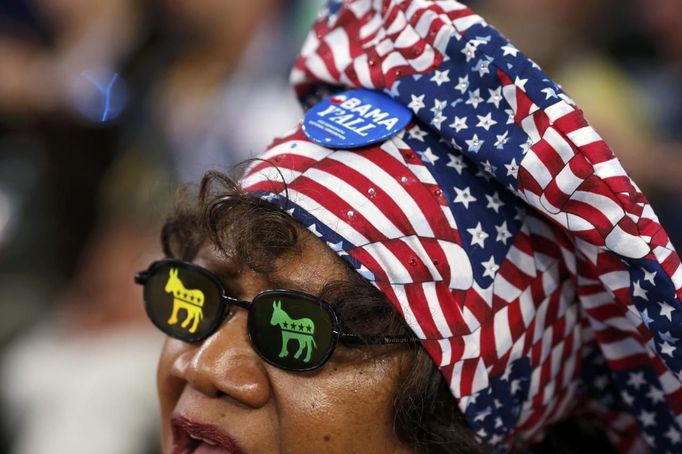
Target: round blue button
{"x": 354, "y": 119}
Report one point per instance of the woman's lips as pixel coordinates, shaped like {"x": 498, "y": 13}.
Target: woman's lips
{"x": 190, "y": 437}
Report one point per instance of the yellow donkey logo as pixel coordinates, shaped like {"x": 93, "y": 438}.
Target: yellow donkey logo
{"x": 191, "y": 301}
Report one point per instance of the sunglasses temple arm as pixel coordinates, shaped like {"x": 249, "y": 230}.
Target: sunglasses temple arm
{"x": 354, "y": 339}
{"x": 141, "y": 277}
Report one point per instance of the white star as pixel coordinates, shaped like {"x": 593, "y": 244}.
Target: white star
{"x": 313, "y": 228}
{"x": 481, "y": 415}
{"x": 502, "y": 139}
{"x": 490, "y": 270}
{"x": 549, "y": 93}
{"x": 667, "y": 310}
{"x": 503, "y": 233}
{"x": 336, "y": 246}
{"x": 474, "y": 98}
{"x": 636, "y": 379}
{"x": 647, "y": 418}
{"x": 666, "y": 336}
{"x": 464, "y": 196}
{"x": 478, "y": 235}
{"x": 520, "y": 213}
{"x": 474, "y": 144}
{"x": 494, "y": 202}
{"x": 495, "y": 439}
{"x": 417, "y": 133}
{"x": 459, "y": 123}
{"x": 667, "y": 349}
{"x": 628, "y": 398}
{"x": 639, "y": 291}
{"x": 673, "y": 435}
{"x": 645, "y": 317}
{"x": 495, "y": 96}
{"x": 649, "y": 276}
{"x": 469, "y": 51}
{"x": 417, "y": 103}
{"x": 512, "y": 168}
{"x": 498, "y": 422}
{"x": 462, "y": 83}
{"x": 428, "y": 154}
{"x": 438, "y": 119}
{"x": 440, "y": 77}
{"x": 521, "y": 83}
{"x": 525, "y": 146}
{"x": 656, "y": 395}
{"x": 438, "y": 106}
{"x": 486, "y": 121}
{"x": 457, "y": 163}
{"x": 510, "y": 116}
{"x": 483, "y": 67}
{"x": 510, "y": 50}
{"x": 488, "y": 167}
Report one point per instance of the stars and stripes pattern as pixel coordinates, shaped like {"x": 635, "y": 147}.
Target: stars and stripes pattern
{"x": 498, "y": 223}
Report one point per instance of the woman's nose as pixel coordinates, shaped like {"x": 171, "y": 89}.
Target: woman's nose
{"x": 226, "y": 364}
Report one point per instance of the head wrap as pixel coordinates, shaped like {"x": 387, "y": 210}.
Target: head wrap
{"x": 498, "y": 223}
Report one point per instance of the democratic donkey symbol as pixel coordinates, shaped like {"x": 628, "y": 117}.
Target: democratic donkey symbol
{"x": 191, "y": 301}
{"x": 301, "y": 329}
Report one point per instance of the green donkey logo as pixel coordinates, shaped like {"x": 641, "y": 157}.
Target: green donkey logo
{"x": 191, "y": 301}
{"x": 301, "y": 329}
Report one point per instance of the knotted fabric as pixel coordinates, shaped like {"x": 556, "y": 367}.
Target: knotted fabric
{"x": 498, "y": 223}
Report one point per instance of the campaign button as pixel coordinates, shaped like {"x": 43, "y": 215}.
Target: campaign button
{"x": 355, "y": 118}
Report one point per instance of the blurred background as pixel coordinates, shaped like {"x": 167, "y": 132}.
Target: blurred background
{"x": 107, "y": 106}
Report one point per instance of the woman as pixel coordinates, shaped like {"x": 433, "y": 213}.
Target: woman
{"x": 493, "y": 221}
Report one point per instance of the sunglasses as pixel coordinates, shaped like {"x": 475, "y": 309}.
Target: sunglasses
{"x": 289, "y": 329}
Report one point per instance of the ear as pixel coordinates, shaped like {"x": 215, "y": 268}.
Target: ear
{"x": 174, "y": 272}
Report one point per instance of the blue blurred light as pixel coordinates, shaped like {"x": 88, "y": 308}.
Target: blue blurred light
{"x": 99, "y": 95}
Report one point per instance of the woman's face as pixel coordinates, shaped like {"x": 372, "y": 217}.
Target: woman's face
{"x": 221, "y": 391}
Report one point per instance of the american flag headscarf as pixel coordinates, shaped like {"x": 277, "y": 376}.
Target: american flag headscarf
{"x": 498, "y": 223}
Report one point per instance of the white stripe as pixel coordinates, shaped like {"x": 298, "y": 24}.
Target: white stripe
{"x": 669, "y": 383}
{"x": 461, "y": 273}
{"x": 568, "y": 181}
{"x": 396, "y": 272}
{"x": 435, "y": 309}
{"x": 550, "y": 279}
{"x": 392, "y": 60}
{"x": 480, "y": 377}
{"x": 390, "y": 186}
{"x": 422, "y": 173}
{"x": 503, "y": 339}
{"x": 529, "y": 127}
{"x": 398, "y": 24}
{"x": 522, "y": 261}
{"x": 359, "y": 7}
{"x": 616, "y": 280}
{"x": 626, "y": 244}
{"x": 423, "y": 61}
{"x": 470, "y": 319}
{"x": 416, "y": 246}
{"x": 448, "y": 215}
{"x": 406, "y": 38}
{"x": 425, "y": 21}
{"x": 456, "y": 383}
{"x": 604, "y": 204}
{"x": 578, "y": 224}
{"x": 384, "y": 47}
{"x": 371, "y": 27}
{"x": 622, "y": 348}
{"x": 559, "y": 144}
{"x": 540, "y": 314}
{"x": 360, "y": 203}
{"x": 509, "y": 93}
{"x": 443, "y": 38}
{"x": 534, "y": 384}
{"x": 558, "y": 110}
{"x": 446, "y": 350}
{"x": 472, "y": 344}
{"x": 316, "y": 66}
{"x": 505, "y": 289}
{"x": 584, "y": 136}
{"x": 408, "y": 315}
{"x": 462, "y": 23}
{"x": 309, "y": 45}
{"x": 269, "y": 174}
{"x": 533, "y": 164}
{"x": 327, "y": 217}
{"x": 298, "y": 147}
{"x": 527, "y": 306}
{"x": 451, "y": 6}
{"x": 362, "y": 70}
{"x": 392, "y": 147}
{"x": 595, "y": 300}
{"x": 610, "y": 168}
{"x": 337, "y": 40}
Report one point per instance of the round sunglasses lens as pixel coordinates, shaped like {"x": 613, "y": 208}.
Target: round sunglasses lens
{"x": 291, "y": 332}
{"x": 183, "y": 302}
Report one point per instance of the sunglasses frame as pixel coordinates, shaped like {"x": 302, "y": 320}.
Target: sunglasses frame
{"x": 142, "y": 277}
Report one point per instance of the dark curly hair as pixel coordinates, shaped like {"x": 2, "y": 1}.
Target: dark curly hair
{"x": 426, "y": 416}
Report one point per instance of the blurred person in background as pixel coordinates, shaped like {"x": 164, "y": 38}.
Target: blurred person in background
{"x": 620, "y": 61}
{"x": 125, "y": 98}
